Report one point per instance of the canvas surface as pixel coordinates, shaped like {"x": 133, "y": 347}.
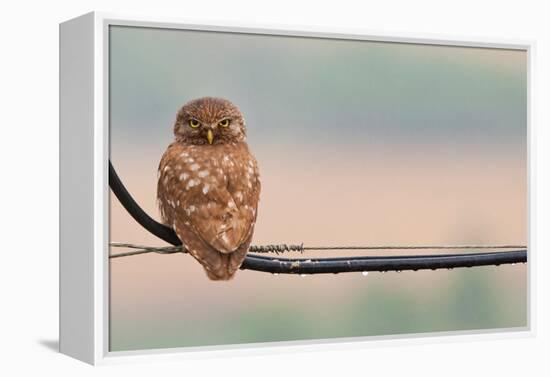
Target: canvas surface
{"x": 358, "y": 143}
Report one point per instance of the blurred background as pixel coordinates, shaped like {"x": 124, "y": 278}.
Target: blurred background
{"x": 359, "y": 143}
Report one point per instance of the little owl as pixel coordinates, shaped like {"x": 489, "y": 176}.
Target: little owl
{"x": 208, "y": 185}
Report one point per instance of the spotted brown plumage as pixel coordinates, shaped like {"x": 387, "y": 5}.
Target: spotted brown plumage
{"x": 208, "y": 185}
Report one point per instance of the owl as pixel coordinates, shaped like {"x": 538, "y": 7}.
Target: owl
{"x": 208, "y": 185}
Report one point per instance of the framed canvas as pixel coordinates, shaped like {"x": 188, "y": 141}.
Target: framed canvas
{"x": 234, "y": 188}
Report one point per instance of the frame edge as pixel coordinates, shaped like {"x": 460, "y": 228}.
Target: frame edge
{"x": 76, "y": 193}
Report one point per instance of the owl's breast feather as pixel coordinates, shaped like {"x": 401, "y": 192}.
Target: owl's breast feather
{"x": 212, "y": 189}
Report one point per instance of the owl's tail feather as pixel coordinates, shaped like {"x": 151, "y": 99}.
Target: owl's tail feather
{"x": 219, "y": 275}
{"x": 230, "y": 263}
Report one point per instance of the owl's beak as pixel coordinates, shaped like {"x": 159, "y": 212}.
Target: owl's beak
{"x": 210, "y": 136}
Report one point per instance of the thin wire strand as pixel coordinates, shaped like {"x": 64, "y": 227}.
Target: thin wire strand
{"x": 413, "y": 247}
{"x": 140, "y": 249}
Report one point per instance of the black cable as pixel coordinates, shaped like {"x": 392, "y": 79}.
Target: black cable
{"x": 160, "y": 230}
{"x": 380, "y": 263}
{"x": 322, "y": 265}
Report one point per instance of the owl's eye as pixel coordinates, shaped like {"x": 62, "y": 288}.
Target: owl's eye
{"x": 193, "y": 123}
{"x": 224, "y": 123}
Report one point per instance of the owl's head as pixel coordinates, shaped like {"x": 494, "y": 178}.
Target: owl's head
{"x": 209, "y": 120}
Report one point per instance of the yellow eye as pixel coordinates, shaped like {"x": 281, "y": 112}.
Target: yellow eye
{"x": 193, "y": 123}
{"x": 224, "y": 123}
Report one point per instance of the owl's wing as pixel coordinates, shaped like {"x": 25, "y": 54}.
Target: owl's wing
{"x": 216, "y": 218}
{"x": 218, "y": 266}
{"x": 214, "y": 230}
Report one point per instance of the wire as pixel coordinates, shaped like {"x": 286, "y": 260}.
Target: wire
{"x": 146, "y": 221}
{"x": 321, "y": 265}
{"x": 280, "y": 248}
{"x": 383, "y": 263}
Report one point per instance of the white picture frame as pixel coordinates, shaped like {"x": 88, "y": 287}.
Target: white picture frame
{"x": 84, "y": 189}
